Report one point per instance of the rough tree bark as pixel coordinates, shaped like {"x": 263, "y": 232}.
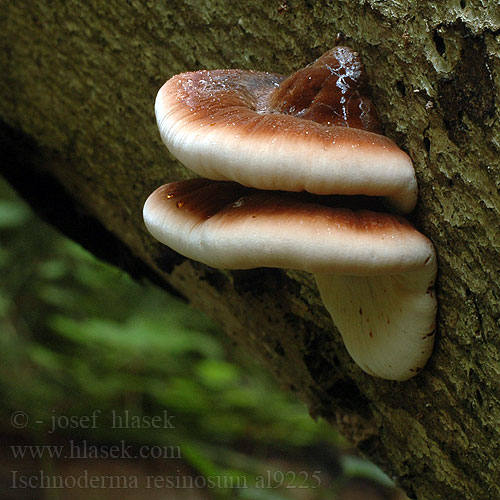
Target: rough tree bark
{"x": 77, "y": 84}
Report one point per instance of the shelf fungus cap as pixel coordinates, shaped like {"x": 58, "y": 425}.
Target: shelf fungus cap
{"x": 375, "y": 271}
{"x": 314, "y": 131}
{"x": 268, "y": 147}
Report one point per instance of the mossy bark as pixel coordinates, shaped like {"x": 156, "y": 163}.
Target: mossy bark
{"x": 79, "y": 139}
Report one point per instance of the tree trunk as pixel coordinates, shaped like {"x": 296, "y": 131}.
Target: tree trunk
{"x": 78, "y": 81}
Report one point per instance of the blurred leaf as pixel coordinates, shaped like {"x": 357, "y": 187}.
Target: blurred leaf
{"x": 57, "y": 295}
{"x": 185, "y": 394}
{"x": 53, "y": 269}
{"x": 217, "y": 374}
{"x": 44, "y": 358}
{"x": 12, "y": 214}
{"x": 354, "y": 466}
{"x": 198, "y": 459}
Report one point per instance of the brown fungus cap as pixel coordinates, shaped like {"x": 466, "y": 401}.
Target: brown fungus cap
{"x": 227, "y": 225}
{"x": 333, "y": 90}
{"x": 374, "y": 270}
{"x": 294, "y": 134}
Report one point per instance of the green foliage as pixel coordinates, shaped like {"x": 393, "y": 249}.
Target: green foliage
{"x": 79, "y": 335}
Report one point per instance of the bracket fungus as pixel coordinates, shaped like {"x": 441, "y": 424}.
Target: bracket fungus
{"x": 293, "y": 170}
